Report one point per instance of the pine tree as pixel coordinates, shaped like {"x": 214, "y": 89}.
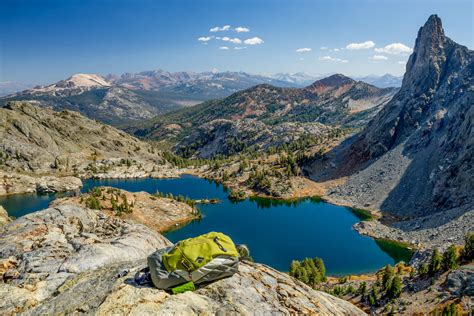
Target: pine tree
{"x": 373, "y": 296}
{"x": 435, "y": 263}
{"x": 395, "y": 289}
{"x": 387, "y": 277}
{"x": 468, "y": 252}
{"x": 362, "y": 289}
{"x": 450, "y": 258}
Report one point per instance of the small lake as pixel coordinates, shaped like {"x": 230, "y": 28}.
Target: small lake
{"x": 275, "y": 232}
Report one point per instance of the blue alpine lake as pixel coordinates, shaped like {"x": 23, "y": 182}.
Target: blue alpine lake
{"x": 276, "y": 232}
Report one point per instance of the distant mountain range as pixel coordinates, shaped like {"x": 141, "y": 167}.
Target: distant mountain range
{"x": 303, "y": 79}
{"x": 9, "y": 87}
{"x": 257, "y": 116}
{"x": 384, "y": 81}
{"x": 118, "y": 100}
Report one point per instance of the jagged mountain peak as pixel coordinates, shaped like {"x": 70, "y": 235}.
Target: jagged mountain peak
{"x": 428, "y": 57}
{"x": 423, "y": 138}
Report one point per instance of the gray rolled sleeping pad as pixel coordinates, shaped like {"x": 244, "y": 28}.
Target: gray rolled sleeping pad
{"x": 217, "y": 268}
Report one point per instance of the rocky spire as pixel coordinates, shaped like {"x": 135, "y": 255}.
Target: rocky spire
{"x": 424, "y": 66}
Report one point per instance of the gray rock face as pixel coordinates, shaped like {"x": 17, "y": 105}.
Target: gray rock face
{"x": 461, "y": 281}
{"x": 14, "y": 183}
{"x": 53, "y": 184}
{"x": 66, "y": 260}
{"x": 427, "y": 127}
{"x": 40, "y": 140}
{"x": 41, "y": 251}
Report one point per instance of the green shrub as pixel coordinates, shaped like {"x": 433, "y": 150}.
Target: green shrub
{"x": 93, "y": 203}
{"x": 236, "y": 195}
{"x": 423, "y": 269}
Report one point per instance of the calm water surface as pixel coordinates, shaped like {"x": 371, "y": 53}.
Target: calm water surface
{"x": 275, "y": 232}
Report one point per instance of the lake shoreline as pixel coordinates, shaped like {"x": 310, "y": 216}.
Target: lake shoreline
{"x": 260, "y": 202}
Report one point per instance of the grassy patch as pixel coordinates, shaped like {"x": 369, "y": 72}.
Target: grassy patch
{"x": 398, "y": 251}
{"x": 264, "y": 202}
{"x": 361, "y": 214}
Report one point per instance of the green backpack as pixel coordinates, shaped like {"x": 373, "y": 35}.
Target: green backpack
{"x": 199, "y": 260}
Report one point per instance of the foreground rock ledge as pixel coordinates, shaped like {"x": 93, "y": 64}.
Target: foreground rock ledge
{"x": 65, "y": 260}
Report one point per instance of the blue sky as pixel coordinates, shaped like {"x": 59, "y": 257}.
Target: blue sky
{"x": 45, "y": 41}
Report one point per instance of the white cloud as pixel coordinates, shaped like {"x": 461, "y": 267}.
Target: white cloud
{"x": 364, "y": 45}
{"x": 401, "y": 62}
{"x": 241, "y": 29}
{"x": 220, "y": 29}
{"x": 336, "y": 60}
{"x": 395, "y": 49}
{"x": 232, "y": 40}
{"x": 253, "y": 41}
{"x": 301, "y": 58}
{"x": 304, "y": 50}
{"x": 378, "y": 57}
{"x": 323, "y": 48}
{"x": 205, "y": 38}
{"x": 240, "y": 47}
{"x": 224, "y": 47}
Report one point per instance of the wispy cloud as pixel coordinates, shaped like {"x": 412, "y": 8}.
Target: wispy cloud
{"x": 224, "y": 47}
{"x": 323, "y": 48}
{"x": 220, "y": 28}
{"x": 304, "y": 50}
{"x": 378, "y": 57}
{"x": 254, "y": 41}
{"x": 329, "y": 58}
{"x": 401, "y": 62}
{"x": 363, "y": 45}
{"x": 395, "y": 49}
{"x": 232, "y": 40}
{"x": 240, "y": 47}
{"x": 241, "y": 29}
{"x": 204, "y": 38}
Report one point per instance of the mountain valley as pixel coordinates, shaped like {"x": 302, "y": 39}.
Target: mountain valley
{"x": 397, "y": 152}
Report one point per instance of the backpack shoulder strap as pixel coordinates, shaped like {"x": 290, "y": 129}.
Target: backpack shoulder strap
{"x": 143, "y": 277}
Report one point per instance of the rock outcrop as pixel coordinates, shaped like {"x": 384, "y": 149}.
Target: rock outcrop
{"x": 461, "y": 281}
{"x": 69, "y": 259}
{"x": 40, "y": 151}
{"x": 4, "y": 218}
{"x": 157, "y": 213}
{"x": 415, "y": 157}
{"x": 15, "y": 183}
